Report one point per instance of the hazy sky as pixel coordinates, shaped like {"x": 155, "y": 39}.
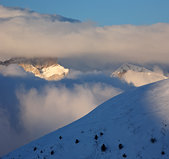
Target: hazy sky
{"x": 103, "y": 12}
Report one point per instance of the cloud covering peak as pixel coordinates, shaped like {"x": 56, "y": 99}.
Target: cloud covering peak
{"x": 27, "y": 33}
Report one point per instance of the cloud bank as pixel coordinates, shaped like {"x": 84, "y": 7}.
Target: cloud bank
{"x": 45, "y": 109}
{"x": 51, "y": 108}
{"x": 26, "y": 33}
{"x": 10, "y": 138}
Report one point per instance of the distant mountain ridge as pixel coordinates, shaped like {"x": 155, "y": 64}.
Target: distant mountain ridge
{"x": 126, "y": 67}
{"x": 56, "y": 17}
{"x": 46, "y": 68}
{"x": 37, "y": 61}
{"x": 16, "y": 12}
{"x": 137, "y": 75}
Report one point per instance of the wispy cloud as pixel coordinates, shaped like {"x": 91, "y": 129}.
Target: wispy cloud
{"x": 10, "y": 138}
{"x": 51, "y": 108}
{"x": 24, "y": 33}
{"x": 42, "y": 110}
{"x": 75, "y": 74}
{"x": 12, "y": 70}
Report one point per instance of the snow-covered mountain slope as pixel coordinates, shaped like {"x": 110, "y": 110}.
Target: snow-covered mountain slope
{"x": 133, "y": 125}
{"x": 52, "y": 72}
{"x": 137, "y": 75}
{"x": 46, "y": 68}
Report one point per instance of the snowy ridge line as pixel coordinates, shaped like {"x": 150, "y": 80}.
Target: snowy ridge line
{"x": 133, "y": 125}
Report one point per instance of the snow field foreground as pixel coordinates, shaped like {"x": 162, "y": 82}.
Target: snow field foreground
{"x": 132, "y": 125}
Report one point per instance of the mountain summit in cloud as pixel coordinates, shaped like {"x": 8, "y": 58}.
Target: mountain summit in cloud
{"x": 46, "y": 68}
{"x": 137, "y": 75}
{"x": 132, "y": 125}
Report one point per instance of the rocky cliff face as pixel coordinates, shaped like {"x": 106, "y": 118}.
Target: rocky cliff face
{"x": 46, "y": 68}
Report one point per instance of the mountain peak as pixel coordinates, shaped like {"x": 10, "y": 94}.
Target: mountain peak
{"x": 46, "y": 68}
{"x": 137, "y": 75}
{"x": 126, "y": 67}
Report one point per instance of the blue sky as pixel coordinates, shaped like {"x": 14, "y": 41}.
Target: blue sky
{"x": 103, "y": 12}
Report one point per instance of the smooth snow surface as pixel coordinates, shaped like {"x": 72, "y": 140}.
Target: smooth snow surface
{"x": 53, "y": 72}
{"x": 54, "y": 69}
{"x": 137, "y": 119}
